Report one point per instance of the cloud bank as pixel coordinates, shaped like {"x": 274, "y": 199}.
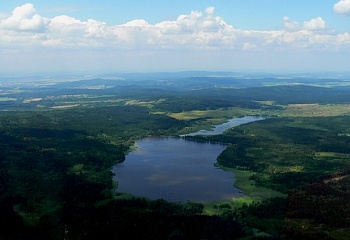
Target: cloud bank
{"x": 31, "y": 42}
{"x": 197, "y": 30}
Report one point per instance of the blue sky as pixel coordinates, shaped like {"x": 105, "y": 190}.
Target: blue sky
{"x": 174, "y": 35}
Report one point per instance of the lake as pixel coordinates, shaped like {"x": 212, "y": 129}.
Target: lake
{"x": 176, "y": 170}
{"x": 219, "y": 129}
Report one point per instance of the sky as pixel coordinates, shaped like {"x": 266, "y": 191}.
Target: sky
{"x": 174, "y": 35}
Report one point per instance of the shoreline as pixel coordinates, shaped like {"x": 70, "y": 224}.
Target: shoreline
{"x": 247, "y": 186}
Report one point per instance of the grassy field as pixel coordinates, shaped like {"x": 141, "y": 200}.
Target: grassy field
{"x": 290, "y": 110}
{"x": 247, "y": 186}
{"x": 221, "y": 115}
{"x": 5, "y": 99}
{"x": 314, "y": 110}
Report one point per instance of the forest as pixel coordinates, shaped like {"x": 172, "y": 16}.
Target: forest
{"x": 59, "y": 142}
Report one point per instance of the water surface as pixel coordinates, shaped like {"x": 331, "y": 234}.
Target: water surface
{"x": 176, "y": 170}
{"x": 179, "y": 170}
{"x": 221, "y": 128}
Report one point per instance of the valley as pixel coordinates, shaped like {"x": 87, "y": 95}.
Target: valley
{"x": 60, "y": 140}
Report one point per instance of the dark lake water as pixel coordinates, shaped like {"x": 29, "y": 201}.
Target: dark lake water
{"x": 176, "y": 170}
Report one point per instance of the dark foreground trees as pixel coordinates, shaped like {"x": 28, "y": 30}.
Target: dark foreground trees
{"x": 56, "y": 180}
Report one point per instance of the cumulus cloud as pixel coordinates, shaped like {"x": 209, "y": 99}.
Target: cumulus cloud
{"x": 315, "y": 24}
{"x": 343, "y": 38}
{"x": 196, "y": 30}
{"x": 342, "y": 7}
{"x": 24, "y": 18}
{"x": 290, "y": 25}
{"x": 137, "y": 23}
{"x": 311, "y": 25}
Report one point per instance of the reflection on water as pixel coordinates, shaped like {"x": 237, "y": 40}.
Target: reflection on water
{"x": 178, "y": 170}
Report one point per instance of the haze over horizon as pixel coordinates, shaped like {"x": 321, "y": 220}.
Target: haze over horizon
{"x": 111, "y": 36}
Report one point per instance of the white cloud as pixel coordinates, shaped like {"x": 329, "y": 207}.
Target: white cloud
{"x": 248, "y": 46}
{"x": 24, "y": 18}
{"x": 314, "y": 24}
{"x": 96, "y": 29}
{"x": 66, "y": 31}
{"x": 210, "y": 10}
{"x": 289, "y": 25}
{"x": 137, "y": 23}
{"x": 193, "y": 23}
{"x": 342, "y": 7}
{"x": 196, "y": 30}
{"x": 343, "y": 38}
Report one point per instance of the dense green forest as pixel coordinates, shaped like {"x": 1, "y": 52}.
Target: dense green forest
{"x": 59, "y": 142}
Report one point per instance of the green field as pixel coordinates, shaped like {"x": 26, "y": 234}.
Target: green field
{"x": 5, "y": 99}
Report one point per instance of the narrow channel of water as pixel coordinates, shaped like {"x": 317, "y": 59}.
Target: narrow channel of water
{"x": 219, "y": 129}
{"x": 177, "y": 170}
